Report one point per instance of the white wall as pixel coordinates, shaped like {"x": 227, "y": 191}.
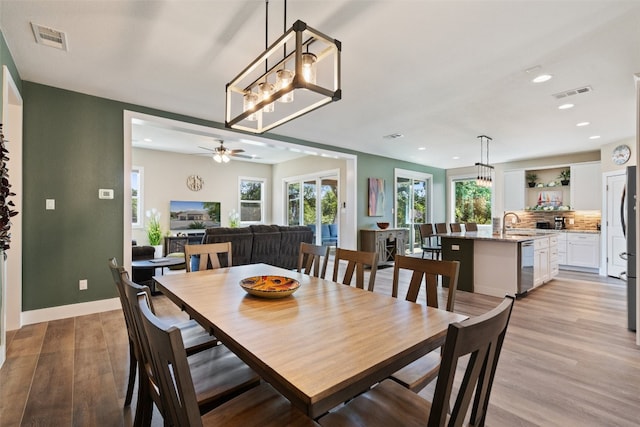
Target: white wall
{"x": 165, "y": 179}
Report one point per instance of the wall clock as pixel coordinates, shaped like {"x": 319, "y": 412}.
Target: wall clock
{"x": 195, "y": 183}
{"x": 621, "y": 154}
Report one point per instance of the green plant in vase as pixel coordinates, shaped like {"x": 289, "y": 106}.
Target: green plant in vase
{"x": 565, "y": 176}
{"x": 154, "y": 230}
{"x": 531, "y": 179}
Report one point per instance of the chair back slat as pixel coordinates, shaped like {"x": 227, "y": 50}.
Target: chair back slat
{"x": 356, "y": 262}
{"x": 455, "y": 227}
{"x": 313, "y": 259}
{"x": 481, "y": 338}
{"x": 431, "y": 270}
{"x": 441, "y": 228}
{"x": 210, "y": 255}
{"x": 470, "y": 226}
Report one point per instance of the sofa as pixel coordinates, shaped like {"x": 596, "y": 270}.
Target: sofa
{"x": 270, "y": 244}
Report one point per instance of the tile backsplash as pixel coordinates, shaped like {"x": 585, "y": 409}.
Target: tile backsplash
{"x": 582, "y": 220}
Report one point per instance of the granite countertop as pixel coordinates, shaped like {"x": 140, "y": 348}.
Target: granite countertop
{"x": 550, "y": 231}
{"x": 511, "y": 236}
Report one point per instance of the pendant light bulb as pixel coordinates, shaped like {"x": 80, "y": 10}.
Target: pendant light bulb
{"x": 266, "y": 90}
{"x": 309, "y": 67}
{"x": 250, "y": 101}
{"x": 217, "y": 158}
{"x": 225, "y": 158}
{"x": 284, "y": 78}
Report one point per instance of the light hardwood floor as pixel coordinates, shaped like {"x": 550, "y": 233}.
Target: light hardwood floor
{"x": 568, "y": 360}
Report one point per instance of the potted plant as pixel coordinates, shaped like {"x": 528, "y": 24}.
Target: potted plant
{"x": 6, "y": 205}
{"x": 531, "y": 179}
{"x": 154, "y": 231}
{"x": 564, "y": 176}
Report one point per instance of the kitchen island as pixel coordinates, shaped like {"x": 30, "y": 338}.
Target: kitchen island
{"x": 512, "y": 263}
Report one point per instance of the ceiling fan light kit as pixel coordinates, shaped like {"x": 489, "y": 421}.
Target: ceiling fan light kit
{"x": 301, "y": 80}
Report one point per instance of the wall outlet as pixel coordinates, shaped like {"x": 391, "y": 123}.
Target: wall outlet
{"x": 83, "y": 284}
{"x": 570, "y": 221}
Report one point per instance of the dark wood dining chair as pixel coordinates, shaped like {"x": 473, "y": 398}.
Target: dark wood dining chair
{"x": 357, "y": 261}
{"x": 455, "y": 227}
{"x": 218, "y": 374}
{"x": 422, "y": 371}
{"x": 195, "y": 337}
{"x": 441, "y": 228}
{"x": 210, "y": 255}
{"x": 428, "y": 241}
{"x": 470, "y": 226}
{"x": 313, "y": 260}
{"x": 177, "y": 391}
{"x": 390, "y": 404}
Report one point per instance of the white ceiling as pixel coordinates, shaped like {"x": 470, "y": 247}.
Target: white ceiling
{"x": 438, "y": 72}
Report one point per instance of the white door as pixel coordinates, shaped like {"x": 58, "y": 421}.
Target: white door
{"x": 616, "y": 242}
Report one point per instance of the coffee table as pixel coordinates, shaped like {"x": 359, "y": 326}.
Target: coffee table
{"x": 152, "y": 264}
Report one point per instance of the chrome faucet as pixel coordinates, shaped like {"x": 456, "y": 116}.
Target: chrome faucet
{"x": 504, "y": 220}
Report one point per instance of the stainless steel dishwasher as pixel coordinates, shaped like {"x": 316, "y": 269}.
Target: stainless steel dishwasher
{"x": 525, "y": 266}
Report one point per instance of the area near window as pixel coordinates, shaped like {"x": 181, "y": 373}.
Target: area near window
{"x": 413, "y": 195}
{"x": 251, "y": 198}
{"x": 137, "y": 176}
{"x": 472, "y": 203}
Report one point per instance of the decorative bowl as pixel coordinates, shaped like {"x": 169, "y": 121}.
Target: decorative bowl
{"x": 383, "y": 225}
{"x": 270, "y": 286}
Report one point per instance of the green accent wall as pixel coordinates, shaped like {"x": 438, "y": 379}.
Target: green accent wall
{"x": 73, "y": 146}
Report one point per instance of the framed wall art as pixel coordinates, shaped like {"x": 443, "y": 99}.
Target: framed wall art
{"x": 376, "y": 197}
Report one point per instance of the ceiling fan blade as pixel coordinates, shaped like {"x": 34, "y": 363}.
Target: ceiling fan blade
{"x": 246, "y": 156}
{"x": 207, "y": 148}
{"x": 237, "y": 151}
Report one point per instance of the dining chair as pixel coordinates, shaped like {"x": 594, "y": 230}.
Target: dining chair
{"x": 390, "y": 404}
{"x": 356, "y": 261}
{"x": 311, "y": 258}
{"x": 470, "y": 226}
{"x": 416, "y": 375}
{"x": 195, "y": 337}
{"x": 425, "y": 231}
{"x": 209, "y": 255}
{"x": 441, "y": 228}
{"x": 455, "y": 227}
{"x": 218, "y": 375}
{"x": 177, "y": 391}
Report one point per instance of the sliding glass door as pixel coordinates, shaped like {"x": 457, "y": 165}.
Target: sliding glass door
{"x": 413, "y": 192}
{"x": 313, "y": 201}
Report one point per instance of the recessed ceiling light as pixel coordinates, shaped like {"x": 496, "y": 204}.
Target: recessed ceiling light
{"x": 148, "y": 140}
{"x": 583, "y": 124}
{"x": 456, "y": 157}
{"x": 594, "y": 137}
{"x": 565, "y": 106}
{"x": 542, "y": 78}
{"x": 422, "y": 148}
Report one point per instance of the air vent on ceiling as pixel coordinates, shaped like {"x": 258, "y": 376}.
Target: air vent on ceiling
{"x": 572, "y": 92}
{"x": 393, "y": 136}
{"x": 49, "y": 37}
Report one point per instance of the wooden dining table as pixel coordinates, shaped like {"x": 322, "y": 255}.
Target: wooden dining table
{"x": 320, "y": 346}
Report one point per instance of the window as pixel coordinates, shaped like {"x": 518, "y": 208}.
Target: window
{"x": 472, "y": 202}
{"x": 251, "y": 200}
{"x": 137, "y": 219}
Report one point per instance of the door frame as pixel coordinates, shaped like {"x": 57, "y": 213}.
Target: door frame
{"x": 411, "y": 174}
{"x": 11, "y": 280}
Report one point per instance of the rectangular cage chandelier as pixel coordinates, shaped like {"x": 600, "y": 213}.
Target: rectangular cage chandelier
{"x": 284, "y": 83}
{"x": 484, "y": 176}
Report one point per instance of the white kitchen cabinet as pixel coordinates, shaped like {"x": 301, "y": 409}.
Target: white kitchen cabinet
{"x": 541, "y": 261}
{"x": 514, "y": 190}
{"x": 583, "y": 250}
{"x": 554, "y": 267}
{"x": 562, "y": 248}
{"x": 586, "y": 186}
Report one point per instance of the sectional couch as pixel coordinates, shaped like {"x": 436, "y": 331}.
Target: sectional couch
{"x": 270, "y": 244}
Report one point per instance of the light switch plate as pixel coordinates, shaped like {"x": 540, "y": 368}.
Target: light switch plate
{"x": 50, "y": 204}
{"x": 105, "y": 193}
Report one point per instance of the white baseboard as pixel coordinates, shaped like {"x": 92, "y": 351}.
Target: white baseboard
{"x": 71, "y": 310}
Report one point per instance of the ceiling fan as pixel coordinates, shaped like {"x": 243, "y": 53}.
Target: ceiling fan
{"x": 223, "y": 154}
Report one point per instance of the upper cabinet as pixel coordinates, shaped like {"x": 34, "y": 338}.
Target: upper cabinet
{"x": 586, "y": 186}
{"x": 514, "y": 190}
{"x": 543, "y": 189}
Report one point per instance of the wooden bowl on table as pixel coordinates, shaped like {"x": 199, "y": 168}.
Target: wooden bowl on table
{"x": 383, "y": 225}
